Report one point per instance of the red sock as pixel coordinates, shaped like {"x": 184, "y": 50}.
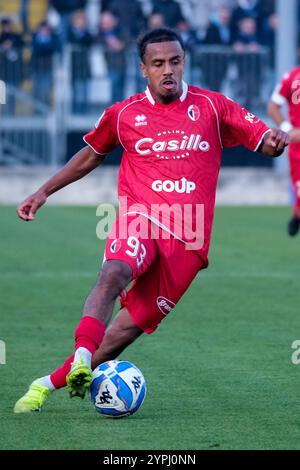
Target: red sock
{"x": 58, "y": 377}
{"x": 89, "y": 334}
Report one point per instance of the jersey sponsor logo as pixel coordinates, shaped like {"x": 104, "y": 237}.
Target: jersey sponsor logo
{"x": 251, "y": 118}
{"x": 193, "y": 112}
{"x": 187, "y": 142}
{"x": 179, "y": 186}
{"x": 164, "y": 305}
{"x": 141, "y": 120}
{"x": 115, "y": 246}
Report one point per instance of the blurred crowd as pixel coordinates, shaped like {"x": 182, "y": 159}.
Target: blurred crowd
{"x": 242, "y": 25}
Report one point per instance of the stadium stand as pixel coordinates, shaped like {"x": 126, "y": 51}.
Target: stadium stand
{"x": 62, "y": 73}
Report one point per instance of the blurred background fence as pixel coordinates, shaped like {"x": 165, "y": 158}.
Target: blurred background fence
{"x": 63, "y": 62}
{"x": 44, "y": 105}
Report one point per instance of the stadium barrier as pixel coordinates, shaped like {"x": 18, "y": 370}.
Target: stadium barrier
{"x": 68, "y": 93}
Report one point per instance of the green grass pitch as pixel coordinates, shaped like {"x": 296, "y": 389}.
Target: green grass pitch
{"x": 218, "y": 370}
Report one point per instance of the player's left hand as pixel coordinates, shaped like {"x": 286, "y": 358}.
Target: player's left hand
{"x": 275, "y": 142}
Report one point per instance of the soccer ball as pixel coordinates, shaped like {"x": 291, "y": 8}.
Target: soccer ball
{"x": 118, "y": 388}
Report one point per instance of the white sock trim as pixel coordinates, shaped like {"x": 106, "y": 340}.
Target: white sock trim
{"x": 84, "y": 354}
{"x": 46, "y": 382}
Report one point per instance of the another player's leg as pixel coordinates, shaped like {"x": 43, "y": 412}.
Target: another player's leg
{"x": 294, "y": 222}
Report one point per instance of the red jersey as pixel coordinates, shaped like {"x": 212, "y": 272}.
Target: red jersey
{"x": 288, "y": 90}
{"x": 172, "y": 153}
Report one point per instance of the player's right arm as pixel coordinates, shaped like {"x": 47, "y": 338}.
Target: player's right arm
{"x": 82, "y": 163}
{"x": 275, "y": 113}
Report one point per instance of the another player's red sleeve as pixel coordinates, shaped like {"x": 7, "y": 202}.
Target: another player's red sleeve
{"x": 104, "y": 137}
{"x": 283, "y": 90}
{"x": 238, "y": 126}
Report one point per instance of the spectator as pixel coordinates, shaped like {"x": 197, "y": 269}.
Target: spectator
{"x": 131, "y": 16}
{"x": 44, "y": 46}
{"x": 24, "y": 15}
{"x": 219, "y": 28}
{"x": 113, "y": 40}
{"x": 80, "y": 39}
{"x": 248, "y": 61}
{"x": 188, "y": 35}
{"x": 247, "y": 37}
{"x": 214, "y": 64}
{"x": 245, "y": 9}
{"x": 156, "y": 20}
{"x": 190, "y": 40}
{"x": 268, "y": 36}
{"x": 11, "y": 61}
{"x": 170, "y": 10}
{"x": 266, "y": 8}
{"x": 65, "y": 9}
{"x": 268, "y": 39}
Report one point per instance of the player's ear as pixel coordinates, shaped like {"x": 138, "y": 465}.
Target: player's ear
{"x": 143, "y": 70}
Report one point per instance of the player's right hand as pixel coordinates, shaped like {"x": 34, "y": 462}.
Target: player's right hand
{"x": 28, "y": 208}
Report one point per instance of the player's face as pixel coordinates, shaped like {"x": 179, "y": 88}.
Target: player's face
{"x": 163, "y": 66}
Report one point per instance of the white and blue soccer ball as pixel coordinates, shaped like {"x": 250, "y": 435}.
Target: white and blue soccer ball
{"x": 118, "y": 388}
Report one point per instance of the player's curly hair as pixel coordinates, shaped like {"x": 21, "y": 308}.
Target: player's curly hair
{"x": 157, "y": 35}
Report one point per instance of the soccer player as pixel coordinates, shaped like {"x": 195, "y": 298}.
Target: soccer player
{"x": 288, "y": 91}
{"x": 172, "y": 135}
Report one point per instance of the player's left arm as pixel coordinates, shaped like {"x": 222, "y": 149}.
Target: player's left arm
{"x": 274, "y": 143}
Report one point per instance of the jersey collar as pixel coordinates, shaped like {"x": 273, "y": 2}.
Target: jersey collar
{"x": 182, "y": 96}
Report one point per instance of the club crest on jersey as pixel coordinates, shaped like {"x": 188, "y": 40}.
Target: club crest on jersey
{"x": 193, "y": 112}
{"x": 164, "y": 305}
{"x": 115, "y": 246}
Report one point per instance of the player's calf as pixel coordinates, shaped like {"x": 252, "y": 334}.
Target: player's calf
{"x": 119, "y": 335}
{"x": 113, "y": 279}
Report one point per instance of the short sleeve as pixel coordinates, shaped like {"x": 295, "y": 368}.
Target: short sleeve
{"x": 282, "y": 90}
{"x": 104, "y": 137}
{"x": 239, "y": 126}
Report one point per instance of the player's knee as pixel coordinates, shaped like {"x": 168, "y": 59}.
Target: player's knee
{"x": 115, "y": 276}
